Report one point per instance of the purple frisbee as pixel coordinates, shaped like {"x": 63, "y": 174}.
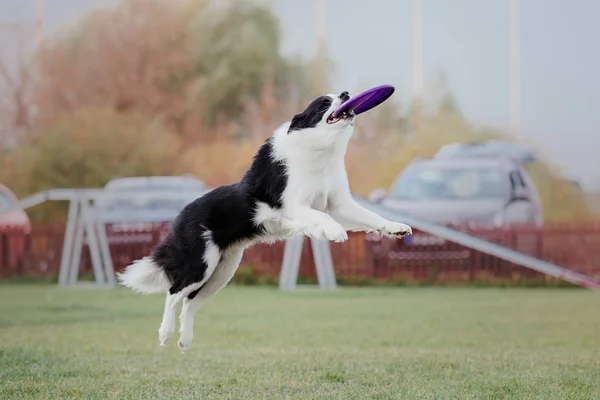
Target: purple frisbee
{"x": 366, "y": 100}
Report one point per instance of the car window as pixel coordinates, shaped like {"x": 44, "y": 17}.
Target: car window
{"x": 6, "y": 202}
{"x": 435, "y": 183}
{"x": 518, "y": 179}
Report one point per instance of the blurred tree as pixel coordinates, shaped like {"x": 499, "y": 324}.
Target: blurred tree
{"x": 236, "y": 54}
{"x": 196, "y": 63}
{"x": 440, "y": 99}
{"x": 87, "y": 148}
{"x": 381, "y": 125}
{"x": 124, "y": 58}
{"x": 319, "y": 74}
{"x": 561, "y": 200}
{"x": 16, "y": 90}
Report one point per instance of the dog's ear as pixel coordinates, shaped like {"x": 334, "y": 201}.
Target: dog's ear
{"x": 298, "y": 122}
{"x": 313, "y": 114}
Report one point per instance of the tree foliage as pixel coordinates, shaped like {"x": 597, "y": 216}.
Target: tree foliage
{"x": 87, "y": 148}
{"x": 16, "y": 91}
{"x": 197, "y": 64}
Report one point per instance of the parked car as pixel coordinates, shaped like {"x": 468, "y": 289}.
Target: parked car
{"x": 477, "y": 193}
{"x": 15, "y": 218}
{"x": 12, "y": 246}
{"x": 132, "y": 219}
{"x": 467, "y": 191}
{"x": 518, "y": 152}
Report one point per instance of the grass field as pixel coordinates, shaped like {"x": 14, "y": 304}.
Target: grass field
{"x": 255, "y": 343}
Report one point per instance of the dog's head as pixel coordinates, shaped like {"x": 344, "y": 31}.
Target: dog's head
{"x": 317, "y": 119}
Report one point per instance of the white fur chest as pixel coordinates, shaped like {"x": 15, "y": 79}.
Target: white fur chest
{"x": 308, "y": 188}
{"x": 311, "y": 185}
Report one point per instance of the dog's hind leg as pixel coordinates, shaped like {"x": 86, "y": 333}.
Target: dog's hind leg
{"x": 167, "y": 326}
{"x": 189, "y": 283}
{"x": 222, "y": 275}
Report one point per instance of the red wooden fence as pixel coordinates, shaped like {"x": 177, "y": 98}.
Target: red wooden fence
{"x": 363, "y": 259}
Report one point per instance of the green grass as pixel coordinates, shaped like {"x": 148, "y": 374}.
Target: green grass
{"x": 255, "y": 343}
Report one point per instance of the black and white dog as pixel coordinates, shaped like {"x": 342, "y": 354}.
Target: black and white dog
{"x": 297, "y": 184}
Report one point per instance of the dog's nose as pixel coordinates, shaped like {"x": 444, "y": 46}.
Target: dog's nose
{"x": 344, "y": 96}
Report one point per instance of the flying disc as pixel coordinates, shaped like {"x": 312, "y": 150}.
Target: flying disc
{"x": 366, "y": 100}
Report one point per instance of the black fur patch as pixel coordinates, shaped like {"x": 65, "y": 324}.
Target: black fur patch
{"x": 227, "y": 212}
{"x": 266, "y": 179}
{"x": 312, "y": 115}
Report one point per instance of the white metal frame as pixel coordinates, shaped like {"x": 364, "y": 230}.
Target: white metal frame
{"x": 290, "y": 265}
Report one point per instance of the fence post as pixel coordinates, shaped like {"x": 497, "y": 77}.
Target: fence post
{"x": 67, "y": 251}
{"x": 4, "y": 252}
{"x": 26, "y": 263}
{"x": 291, "y": 262}
{"x": 104, "y": 246}
{"x": 77, "y": 250}
{"x": 92, "y": 242}
{"x": 323, "y": 263}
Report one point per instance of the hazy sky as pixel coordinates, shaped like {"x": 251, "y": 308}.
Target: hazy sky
{"x": 371, "y": 43}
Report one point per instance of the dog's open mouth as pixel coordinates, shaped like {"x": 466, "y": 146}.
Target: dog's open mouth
{"x": 343, "y": 115}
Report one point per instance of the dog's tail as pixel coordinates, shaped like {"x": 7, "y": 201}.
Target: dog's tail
{"x": 145, "y": 276}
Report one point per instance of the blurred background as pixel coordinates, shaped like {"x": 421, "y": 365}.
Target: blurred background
{"x": 492, "y": 129}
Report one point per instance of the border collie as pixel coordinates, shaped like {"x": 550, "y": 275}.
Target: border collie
{"x": 297, "y": 184}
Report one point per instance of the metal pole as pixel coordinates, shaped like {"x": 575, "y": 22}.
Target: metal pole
{"x": 40, "y": 22}
{"x": 292, "y": 254}
{"x": 514, "y": 25}
{"x": 322, "y": 26}
{"x": 418, "y": 62}
{"x": 77, "y": 248}
{"x": 322, "y": 78}
{"x": 323, "y": 263}
{"x": 67, "y": 253}
{"x": 92, "y": 242}
{"x": 109, "y": 269}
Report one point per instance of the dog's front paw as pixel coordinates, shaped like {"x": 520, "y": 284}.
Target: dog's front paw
{"x": 396, "y": 230}
{"x": 328, "y": 231}
{"x": 315, "y": 232}
{"x": 335, "y": 232}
